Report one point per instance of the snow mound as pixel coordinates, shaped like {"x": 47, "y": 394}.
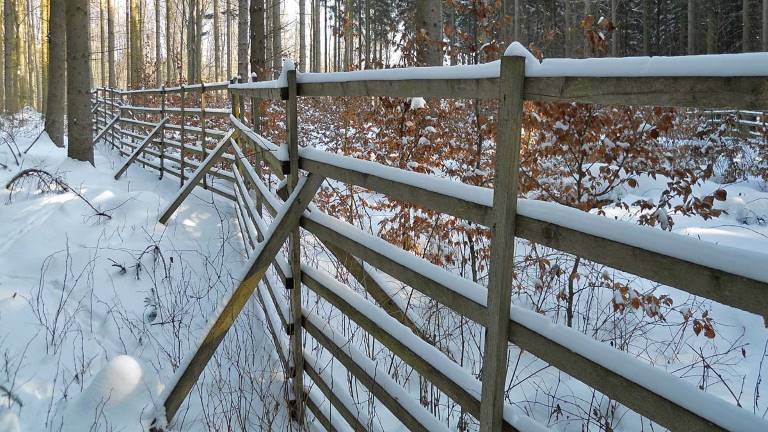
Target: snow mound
{"x": 9, "y": 422}
{"x": 118, "y": 397}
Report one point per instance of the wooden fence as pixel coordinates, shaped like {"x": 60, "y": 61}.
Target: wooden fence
{"x": 233, "y": 168}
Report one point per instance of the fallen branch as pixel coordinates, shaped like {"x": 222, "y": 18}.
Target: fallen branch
{"x": 48, "y": 183}
{"x": 33, "y": 142}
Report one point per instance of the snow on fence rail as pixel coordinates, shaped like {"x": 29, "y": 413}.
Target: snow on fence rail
{"x": 723, "y": 274}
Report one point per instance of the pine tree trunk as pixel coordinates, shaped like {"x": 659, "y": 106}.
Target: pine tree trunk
{"x": 302, "y": 36}
{"x": 316, "y": 54}
{"x": 429, "y": 20}
{"x": 277, "y": 50}
{"x": 228, "y": 38}
{"x": 348, "y": 32}
{"x": 765, "y": 25}
{"x": 80, "y": 142}
{"x": 111, "y": 43}
{"x": 258, "y": 36}
{"x": 137, "y": 56}
{"x": 45, "y": 12}
{"x": 216, "y": 42}
{"x": 646, "y": 27}
{"x": 242, "y": 39}
{"x": 9, "y": 43}
{"x": 102, "y": 45}
{"x": 158, "y": 56}
{"x": 746, "y": 29}
{"x": 54, "y": 113}
{"x": 691, "y": 27}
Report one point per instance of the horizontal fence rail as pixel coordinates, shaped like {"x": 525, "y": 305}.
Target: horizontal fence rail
{"x": 237, "y": 162}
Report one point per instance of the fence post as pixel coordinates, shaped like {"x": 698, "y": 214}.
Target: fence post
{"x": 162, "y": 136}
{"x": 256, "y": 121}
{"x": 294, "y": 247}
{"x": 113, "y": 110}
{"x": 203, "y": 146}
{"x": 500, "y": 273}
{"x": 183, "y": 135}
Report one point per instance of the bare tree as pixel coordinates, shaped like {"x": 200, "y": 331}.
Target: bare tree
{"x": 302, "y": 36}
{"x": 691, "y": 27}
{"x": 765, "y": 25}
{"x": 111, "y": 43}
{"x": 316, "y": 36}
{"x": 158, "y": 57}
{"x": 80, "y": 145}
{"x": 216, "y": 41}
{"x": 258, "y": 55}
{"x": 746, "y": 28}
{"x": 54, "y": 112}
{"x": 137, "y": 55}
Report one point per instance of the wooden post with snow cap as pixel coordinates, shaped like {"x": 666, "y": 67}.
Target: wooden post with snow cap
{"x": 162, "y": 136}
{"x": 500, "y": 273}
{"x": 294, "y": 251}
{"x": 203, "y": 146}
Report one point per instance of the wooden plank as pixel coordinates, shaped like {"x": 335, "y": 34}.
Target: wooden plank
{"x": 258, "y": 93}
{"x": 324, "y": 387}
{"x": 281, "y": 227}
{"x": 196, "y": 177}
{"x": 108, "y": 127}
{"x": 361, "y": 273}
{"x": 699, "y": 92}
{"x": 500, "y": 271}
{"x": 629, "y": 393}
{"x": 483, "y": 88}
{"x": 140, "y": 149}
{"x": 402, "y": 191}
{"x": 720, "y": 286}
{"x": 423, "y": 366}
{"x": 368, "y": 381}
{"x": 406, "y": 271}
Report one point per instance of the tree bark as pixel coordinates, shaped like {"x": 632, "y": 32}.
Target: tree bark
{"x": 429, "y": 23}
{"x": 614, "y": 20}
{"x": 258, "y": 36}
{"x": 711, "y": 27}
{"x": 242, "y": 39}
{"x": 646, "y": 27}
{"x": 111, "y": 44}
{"x": 57, "y": 67}
{"x": 746, "y": 28}
{"x": 348, "y": 32}
{"x": 316, "y": 55}
{"x": 45, "y": 15}
{"x": 302, "y": 37}
{"x": 228, "y": 38}
{"x": 10, "y": 55}
{"x": 158, "y": 56}
{"x": 137, "y": 55}
{"x": 277, "y": 50}
{"x": 765, "y": 25}
{"x": 691, "y": 27}
{"x": 80, "y": 143}
{"x": 216, "y": 41}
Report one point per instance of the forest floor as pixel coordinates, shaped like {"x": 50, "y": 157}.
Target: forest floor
{"x": 97, "y": 311}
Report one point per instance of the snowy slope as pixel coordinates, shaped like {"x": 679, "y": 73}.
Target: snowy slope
{"x": 84, "y": 343}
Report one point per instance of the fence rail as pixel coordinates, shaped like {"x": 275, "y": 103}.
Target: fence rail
{"x": 714, "y": 272}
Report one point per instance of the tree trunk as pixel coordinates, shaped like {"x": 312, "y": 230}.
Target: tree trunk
{"x": 10, "y": 55}
{"x": 348, "y": 32}
{"x": 102, "y": 46}
{"x": 568, "y": 28}
{"x": 316, "y": 55}
{"x": 57, "y": 66}
{"x": 277, "y": 50}
{"x": 45, "y": 16}
{"x": 646, "y": 27}
{"x": 169, "y": 63}
{"x": 614, "y": 20}
{"x": 228, "y": 38}
{"x": 711, "y": 27}
{"x": 429, "y": 23}
{"x": 258, "y": 55}
{"x": 765, "y": 25}
{"x": 587, "y": 11}
{"x": 158, "y": 56}
{"x": 691, "y": 27}
{"x": 80, "y": 143}
{"x": 242, "y": 39}
{"x": 111, "y": 44}
{"x": 746, "y": 28}
{"x": 137, "y": 56}
{"x": 302, "y": 37}
{"x": 216, "y": 42}
{"x": 192, "y": 53}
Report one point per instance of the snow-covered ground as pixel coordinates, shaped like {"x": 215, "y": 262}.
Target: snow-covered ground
{"x": 96, "y": 312}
